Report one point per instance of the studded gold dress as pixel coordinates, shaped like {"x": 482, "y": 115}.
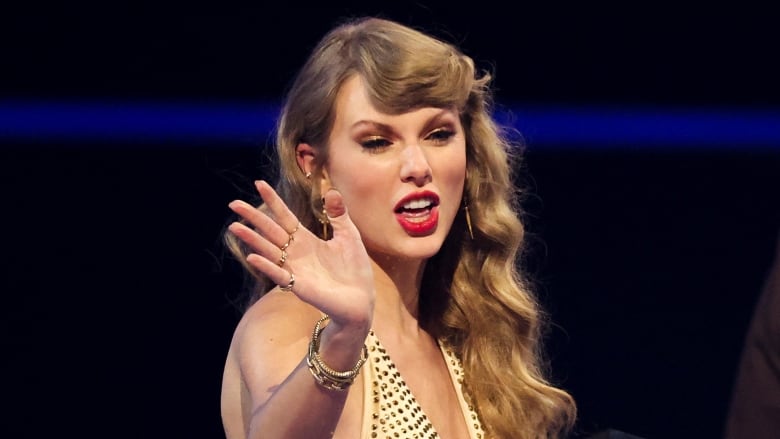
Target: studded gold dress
{"x": 390, "y": 411}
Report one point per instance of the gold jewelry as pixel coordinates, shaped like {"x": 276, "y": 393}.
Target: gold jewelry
{"x": 324, "y": 221}
{"x": 283, "y": 258}
{"x": 290, "y": 285}
{"x": 324, "y": 375}
{"x": 468, "y": 221}
{"x": 290, "y": 238}
{"x": 297, "y": 226}
{"x": 466, "y": 205}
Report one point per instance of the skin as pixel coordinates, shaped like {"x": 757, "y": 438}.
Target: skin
{"x": 366, "y": 277}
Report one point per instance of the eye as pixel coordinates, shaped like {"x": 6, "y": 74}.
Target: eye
{"x": 375, "y": 143}
{"x": 440, "y": 136}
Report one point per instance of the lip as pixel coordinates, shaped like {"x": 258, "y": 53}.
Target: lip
{"x": 419, "y": 223}
{"x": 417, "y": 196}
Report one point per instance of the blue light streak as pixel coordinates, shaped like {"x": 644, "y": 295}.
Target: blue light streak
{"x": 584, "y": 127}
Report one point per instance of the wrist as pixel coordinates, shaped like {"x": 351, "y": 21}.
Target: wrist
{"x": 337, "y": 370}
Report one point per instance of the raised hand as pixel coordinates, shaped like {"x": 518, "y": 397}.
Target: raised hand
{"x": 334, "y": 276}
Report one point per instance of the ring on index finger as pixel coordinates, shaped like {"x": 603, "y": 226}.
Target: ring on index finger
{"x": 297, "y": 226}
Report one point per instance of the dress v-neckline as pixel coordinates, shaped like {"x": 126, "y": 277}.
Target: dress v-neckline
{"x": 390, "y": 410}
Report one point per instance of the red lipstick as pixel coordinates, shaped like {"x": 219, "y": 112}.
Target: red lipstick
{"x": 418, "y": 213}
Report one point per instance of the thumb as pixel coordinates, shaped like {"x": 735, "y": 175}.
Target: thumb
{"x": 334, "y": 204}
{"x": 337, "y": 212}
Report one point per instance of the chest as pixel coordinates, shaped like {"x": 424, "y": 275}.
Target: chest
{"x": 415, "y": 395}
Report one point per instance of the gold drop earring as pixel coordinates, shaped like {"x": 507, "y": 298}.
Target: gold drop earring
{"x": 468, "y": 221}
{"x": 324, "y": 221}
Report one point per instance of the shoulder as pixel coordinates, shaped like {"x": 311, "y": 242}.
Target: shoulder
{"x": 271, "y": 339}
{"x": 275, "y": 322}
{"x": 766, "y": 325}
{"x": 280, "y": 308}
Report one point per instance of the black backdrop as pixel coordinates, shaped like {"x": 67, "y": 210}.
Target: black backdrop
{"x": 117, "y": 295}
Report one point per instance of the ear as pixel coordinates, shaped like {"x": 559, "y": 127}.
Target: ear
{"x": 304, "y": 154}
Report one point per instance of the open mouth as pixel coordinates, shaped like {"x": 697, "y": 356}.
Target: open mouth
{"x": 417, "y": 206}
{"x": 418, "y": 213}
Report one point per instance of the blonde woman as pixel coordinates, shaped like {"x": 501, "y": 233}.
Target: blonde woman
{"x": 388, "y": 300}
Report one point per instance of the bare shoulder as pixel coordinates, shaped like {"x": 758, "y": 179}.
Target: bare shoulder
{"x": 278, "y": 319}
{"x": 272, "y": 337}
{"x": 270, "y": 340}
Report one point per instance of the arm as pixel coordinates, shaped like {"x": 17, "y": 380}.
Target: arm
{"x": 754, "y": 410}
{"x": 285, "y": 401}
{"x": 271, "y": 343}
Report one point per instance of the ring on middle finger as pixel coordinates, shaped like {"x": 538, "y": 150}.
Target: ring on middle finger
{"x": 290, "y": 237}
{"x": 283, "y": 258}
{"x": 287, "y": 244}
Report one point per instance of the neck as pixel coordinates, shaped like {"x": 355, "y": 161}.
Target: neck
{"x": 398, "y": 295}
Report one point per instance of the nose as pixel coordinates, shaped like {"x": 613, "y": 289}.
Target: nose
{"x": 414, "y": 165}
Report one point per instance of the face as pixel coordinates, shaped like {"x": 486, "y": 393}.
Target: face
{"x": 401, "y": 176}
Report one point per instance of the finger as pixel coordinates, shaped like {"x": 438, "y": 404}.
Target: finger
{"x": 334, "y": 203}
{"x": 279, "y": 210}
{"x": 302, "y": 287}
{"x": 277, "y": 275}
{"x": 258, "y": 243}
{"x": 264, "y": 224}
{"x": 337, "y": 213}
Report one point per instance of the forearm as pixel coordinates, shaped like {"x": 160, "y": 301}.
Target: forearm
{"x": 302, "y": 408}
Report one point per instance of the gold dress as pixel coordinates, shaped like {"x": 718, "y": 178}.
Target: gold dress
{"x": 390, "y": 411}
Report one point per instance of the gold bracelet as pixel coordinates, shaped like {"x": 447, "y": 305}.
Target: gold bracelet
{"x": 324, "y": 375}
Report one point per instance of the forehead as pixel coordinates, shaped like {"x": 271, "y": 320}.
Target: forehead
{"x": 353, "y": 98}
{"x": 353, "y": 104}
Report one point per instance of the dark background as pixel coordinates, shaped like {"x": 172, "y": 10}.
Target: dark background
{"x": 118, "y": 296}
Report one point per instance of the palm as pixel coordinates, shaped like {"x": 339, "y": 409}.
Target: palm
{"x": 334, "y": 276}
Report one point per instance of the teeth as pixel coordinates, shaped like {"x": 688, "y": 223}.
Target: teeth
{"x": 418, "y": 204}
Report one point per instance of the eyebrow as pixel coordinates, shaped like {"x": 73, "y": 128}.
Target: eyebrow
{"x": 387, "y": 129}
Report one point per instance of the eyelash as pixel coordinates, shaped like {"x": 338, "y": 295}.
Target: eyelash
{"x": 441, "y": 136}
{"x": 438, "y": 137}
{"x": 375, "y": 143}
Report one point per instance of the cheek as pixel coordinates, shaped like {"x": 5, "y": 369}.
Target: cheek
{"x": 451, "y": 181}
{"x": 357, "y": 184}
{"x": 351, "y": 174}
{"x": 453, "y": 172}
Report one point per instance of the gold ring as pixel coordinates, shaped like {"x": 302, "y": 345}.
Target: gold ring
{"x": 282, "y": 259}
{"x": 290, "y": 238}
{"x": 287, "y": 244}
{"x": 290, "y": 285}
{"x": 294, "y": 230}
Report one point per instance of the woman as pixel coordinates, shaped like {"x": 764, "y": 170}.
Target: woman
{"x": 388, "y": 301}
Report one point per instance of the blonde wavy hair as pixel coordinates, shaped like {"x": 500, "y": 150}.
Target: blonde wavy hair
{"x": 473, "y": 295}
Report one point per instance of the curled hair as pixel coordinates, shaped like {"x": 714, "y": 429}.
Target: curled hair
{"x": 473, "y": 295}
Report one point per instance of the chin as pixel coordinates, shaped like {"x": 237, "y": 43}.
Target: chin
{"x": 412, "y": 248}
{"x": 423, "y": 247}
